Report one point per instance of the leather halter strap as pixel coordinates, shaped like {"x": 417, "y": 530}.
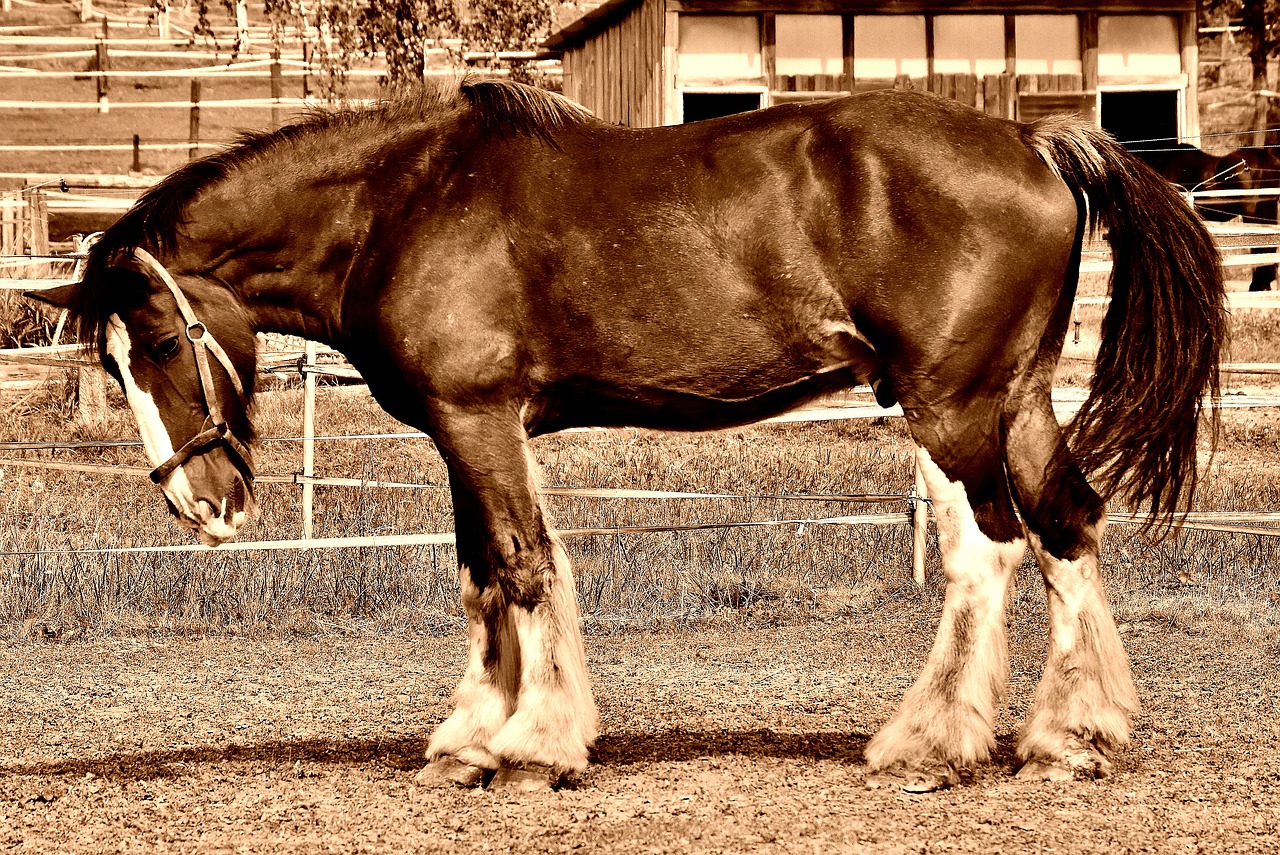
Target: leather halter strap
{"x": 202, "y": 344}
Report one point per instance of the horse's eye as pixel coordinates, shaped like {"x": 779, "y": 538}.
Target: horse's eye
{"x": 166, "y": 349}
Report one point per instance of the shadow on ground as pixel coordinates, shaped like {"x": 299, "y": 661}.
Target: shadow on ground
{"x": 408, "y": 754}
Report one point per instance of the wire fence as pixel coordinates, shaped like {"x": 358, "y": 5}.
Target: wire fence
{"x": 1066, "y": 401}
{"x": 316, "y": 362}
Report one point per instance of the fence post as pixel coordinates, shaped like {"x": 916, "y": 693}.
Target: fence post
{"x": 308, "y": 436}
{"x": 104, "y": 63}
{"x": 17, "y": 244}
{"x": 137, "y": 154}
{"x": 277, "y": 90}
{"x": 32, "y": 232}
{"x": 39, "y": 223}
{"x": 90, "y": 398}
{"x": 90, "y": 393}
{"x": 194, "y": 134}
{"x": 919, "y": 525}
{"x": 306, "y": 69}
{"x": 6, "y": 224}
{"x": 242, "y": 27}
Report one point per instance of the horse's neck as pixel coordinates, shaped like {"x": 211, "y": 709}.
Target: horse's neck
{"x": 284, "y": 256}
{"x": 310, "y": 322}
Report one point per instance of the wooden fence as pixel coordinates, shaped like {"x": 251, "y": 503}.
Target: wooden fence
{"x": 24, "y": 223}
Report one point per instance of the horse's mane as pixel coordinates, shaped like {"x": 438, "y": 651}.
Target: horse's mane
{"x": 496, "y": 108}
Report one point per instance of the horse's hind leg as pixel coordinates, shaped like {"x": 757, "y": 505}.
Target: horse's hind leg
{"x": 1086, "y": 698}
{"x": 946, "y": 721}
{"x": 524, "y": 706}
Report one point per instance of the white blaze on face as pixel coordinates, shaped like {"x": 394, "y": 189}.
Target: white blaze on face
{"x": 159, "y": 446}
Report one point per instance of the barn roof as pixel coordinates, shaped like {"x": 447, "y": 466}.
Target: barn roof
{"x": 589, "y": 24}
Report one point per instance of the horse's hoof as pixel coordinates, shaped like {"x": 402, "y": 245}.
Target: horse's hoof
{"x": 526, "y": 778}
{"x": 915, "y": 779}
{"x": 1038, "y": 770}
{"x": 1080, "y": 765}
{"x": 446, "y": 771}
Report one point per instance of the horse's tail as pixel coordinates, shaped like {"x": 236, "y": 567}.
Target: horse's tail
{"x": 1135, "y": 435}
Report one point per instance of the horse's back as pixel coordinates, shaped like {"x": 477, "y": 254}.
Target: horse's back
{"x": 721, "y": 271}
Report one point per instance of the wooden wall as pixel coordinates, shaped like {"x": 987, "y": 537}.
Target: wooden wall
{"x": 623, "y": 66}
{"x": 917, "y": 7}
{"x": 618, "y": 72}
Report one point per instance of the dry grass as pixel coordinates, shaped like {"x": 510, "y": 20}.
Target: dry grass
{"x": 649, "y": 577}
{"x": 626, "y": 579}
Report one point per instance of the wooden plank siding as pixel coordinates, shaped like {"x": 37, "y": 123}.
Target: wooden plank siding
{"x": 937, "y": 7}
{"x": 617, "y": 73}
{"x": 1188, "y": 36}
{"x": 620, "y": 60}
{"x": 1040, "y": 95}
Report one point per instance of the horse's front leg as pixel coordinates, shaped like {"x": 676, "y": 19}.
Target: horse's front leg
{"x": 486, "y": 695}
{"x": 523, "y": 708}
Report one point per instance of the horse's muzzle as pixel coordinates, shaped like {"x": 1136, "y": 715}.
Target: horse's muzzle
{"x": 211, "y": 496}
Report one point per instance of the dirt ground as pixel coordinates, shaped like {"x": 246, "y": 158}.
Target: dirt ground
{"x": 724, "y": 738}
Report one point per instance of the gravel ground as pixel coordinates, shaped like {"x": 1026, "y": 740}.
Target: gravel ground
{"x": 730, "y": 737}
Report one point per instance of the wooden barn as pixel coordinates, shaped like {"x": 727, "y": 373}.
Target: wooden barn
{"x": 1130, "y": 64}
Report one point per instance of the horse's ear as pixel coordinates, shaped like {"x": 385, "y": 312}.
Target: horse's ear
{"x": 59, "y": 296}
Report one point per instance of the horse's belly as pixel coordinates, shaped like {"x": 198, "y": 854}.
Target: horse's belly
{"x": 700, "y": 387}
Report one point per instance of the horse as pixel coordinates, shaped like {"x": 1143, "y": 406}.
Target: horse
{"x": 1241, "y": 169}
{"x": 499, "y": 264}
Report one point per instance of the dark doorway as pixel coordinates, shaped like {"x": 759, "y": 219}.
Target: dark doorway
{"x": 1144, "y": 115}
{"x": 712, "y": 105}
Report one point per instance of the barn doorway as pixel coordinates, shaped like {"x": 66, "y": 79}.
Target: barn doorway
{"x": 698, "y": 106}
{"x": 1147, "y": 114}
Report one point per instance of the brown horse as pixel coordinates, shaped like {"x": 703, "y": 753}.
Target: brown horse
{"x": 1241, "y": 169}
{"x": 499, "y": 264}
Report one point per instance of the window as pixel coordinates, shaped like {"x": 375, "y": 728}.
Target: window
{"x": 809, "y": 44}
{"x": 719, "y": 47}
{"x": 712, "y": 105}
{"x": 1140, "y": 115}
{"x": 968, "y": 44}
{"x": 1138, "y": 46}
{"x": 1047, "y": 44}
{"x": 885, "y": 46}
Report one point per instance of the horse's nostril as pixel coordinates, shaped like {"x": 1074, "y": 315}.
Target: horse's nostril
{"x": 205, "y": 510}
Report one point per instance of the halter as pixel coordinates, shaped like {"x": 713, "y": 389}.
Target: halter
{"x": 202, "y": 344}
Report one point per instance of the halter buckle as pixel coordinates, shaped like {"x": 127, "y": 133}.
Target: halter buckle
{"x": 196, "y": 337}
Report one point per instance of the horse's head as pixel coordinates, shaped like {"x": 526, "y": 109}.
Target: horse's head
{"x": 182, "y": 350}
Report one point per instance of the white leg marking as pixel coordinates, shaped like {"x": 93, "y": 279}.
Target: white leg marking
{"x": 555, "y": 719}
{"x": 947, "y": 718}
{"x": 481, "y": 706}
{"x": 1086, "y": 698}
